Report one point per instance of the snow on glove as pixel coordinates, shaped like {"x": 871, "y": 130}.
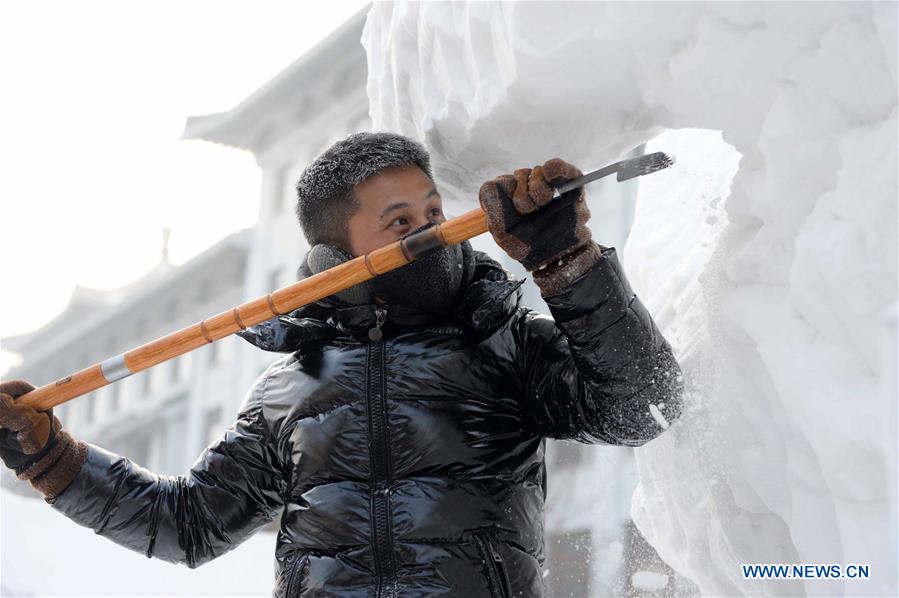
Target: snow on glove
{"x": 549, "y": 237}
{"x": 34, "y": 445}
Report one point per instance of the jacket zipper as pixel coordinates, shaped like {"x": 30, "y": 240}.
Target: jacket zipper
{"x": 375, "y": 334}
{"x": 385, "y": 566}
{"x": 497, "y": 577}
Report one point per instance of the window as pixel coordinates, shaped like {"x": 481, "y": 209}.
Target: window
{"x": 90, "y": 407}
{"x": 137, "y": 448}
{"x": 285, "y": 188}
{"x": 567, "y": 453}
{"x": 146, "y": 383}
{"x": 272, "y": 527}
{"x": 115, "y": 388}
{"x": 274, "y": 278}
{"x": 213, "y": 426}
{"x": 115, "y": 396}
{"x": 175, "y": 369}
{"x": 568, "y": 561}
{"x": 214, "y": 352}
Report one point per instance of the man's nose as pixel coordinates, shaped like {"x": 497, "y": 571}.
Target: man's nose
{"x": 422, "y": 222}
{"x": 420, "y": 227}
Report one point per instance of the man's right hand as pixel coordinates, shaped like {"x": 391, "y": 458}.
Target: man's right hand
{"x": 548, "y": 236}
{"x": 33, "y": 443}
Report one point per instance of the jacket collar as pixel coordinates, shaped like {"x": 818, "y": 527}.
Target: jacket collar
{"x": 489, "y": 295}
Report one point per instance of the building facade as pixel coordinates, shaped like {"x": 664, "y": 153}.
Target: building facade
{"x": 164, "y": 416}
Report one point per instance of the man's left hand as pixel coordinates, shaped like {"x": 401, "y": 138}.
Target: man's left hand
{"x": 554, "y": 244}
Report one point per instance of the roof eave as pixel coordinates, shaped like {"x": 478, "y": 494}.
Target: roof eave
{"x": 243, "y": 126}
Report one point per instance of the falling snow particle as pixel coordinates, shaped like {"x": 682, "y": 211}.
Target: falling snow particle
{"x": 657, "y": 415}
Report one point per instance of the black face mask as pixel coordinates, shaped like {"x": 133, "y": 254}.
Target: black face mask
{"x": 430, "y": 283}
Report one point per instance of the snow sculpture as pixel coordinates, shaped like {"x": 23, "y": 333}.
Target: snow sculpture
{"x": 768, "y": 253}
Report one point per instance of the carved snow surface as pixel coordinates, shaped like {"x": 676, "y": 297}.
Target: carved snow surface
{"x": 767, "y": 254}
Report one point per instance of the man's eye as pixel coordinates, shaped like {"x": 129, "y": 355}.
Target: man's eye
{"x": 436, "y": 211}
{"x": 401, "y": 221}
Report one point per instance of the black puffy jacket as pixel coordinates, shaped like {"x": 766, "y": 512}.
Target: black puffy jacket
{"x": 411, "y": 466}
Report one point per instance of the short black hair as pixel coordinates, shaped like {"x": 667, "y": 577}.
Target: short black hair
{"x": 325, "y": 198}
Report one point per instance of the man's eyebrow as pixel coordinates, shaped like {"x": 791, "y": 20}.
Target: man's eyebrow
{"x": 394, "y": 206}
{"x": 405, "y": 204}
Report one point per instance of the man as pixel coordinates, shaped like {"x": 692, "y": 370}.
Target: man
{"x": 401, "y": 436}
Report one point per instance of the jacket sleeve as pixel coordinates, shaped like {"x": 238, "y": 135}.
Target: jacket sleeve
{"x": 598, "y": 371}
{"x": 232, "y": 489}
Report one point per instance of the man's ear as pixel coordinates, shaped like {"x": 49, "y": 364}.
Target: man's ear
{"x": 323, "y": 257}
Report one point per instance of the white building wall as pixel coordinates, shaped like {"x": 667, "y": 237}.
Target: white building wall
{"x": 278, "y": 245}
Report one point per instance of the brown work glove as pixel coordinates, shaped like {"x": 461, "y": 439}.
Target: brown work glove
{"x": 549, "y": 237}
{"x": 34, "y": 445}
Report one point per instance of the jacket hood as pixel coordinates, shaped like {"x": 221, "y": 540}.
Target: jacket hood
{"x": 489, "y": 295}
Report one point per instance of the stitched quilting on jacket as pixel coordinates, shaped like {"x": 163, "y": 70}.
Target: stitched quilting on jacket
{"x": 412, "y": 465}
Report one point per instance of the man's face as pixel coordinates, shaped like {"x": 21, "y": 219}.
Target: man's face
{"x": 392, "y": 203}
